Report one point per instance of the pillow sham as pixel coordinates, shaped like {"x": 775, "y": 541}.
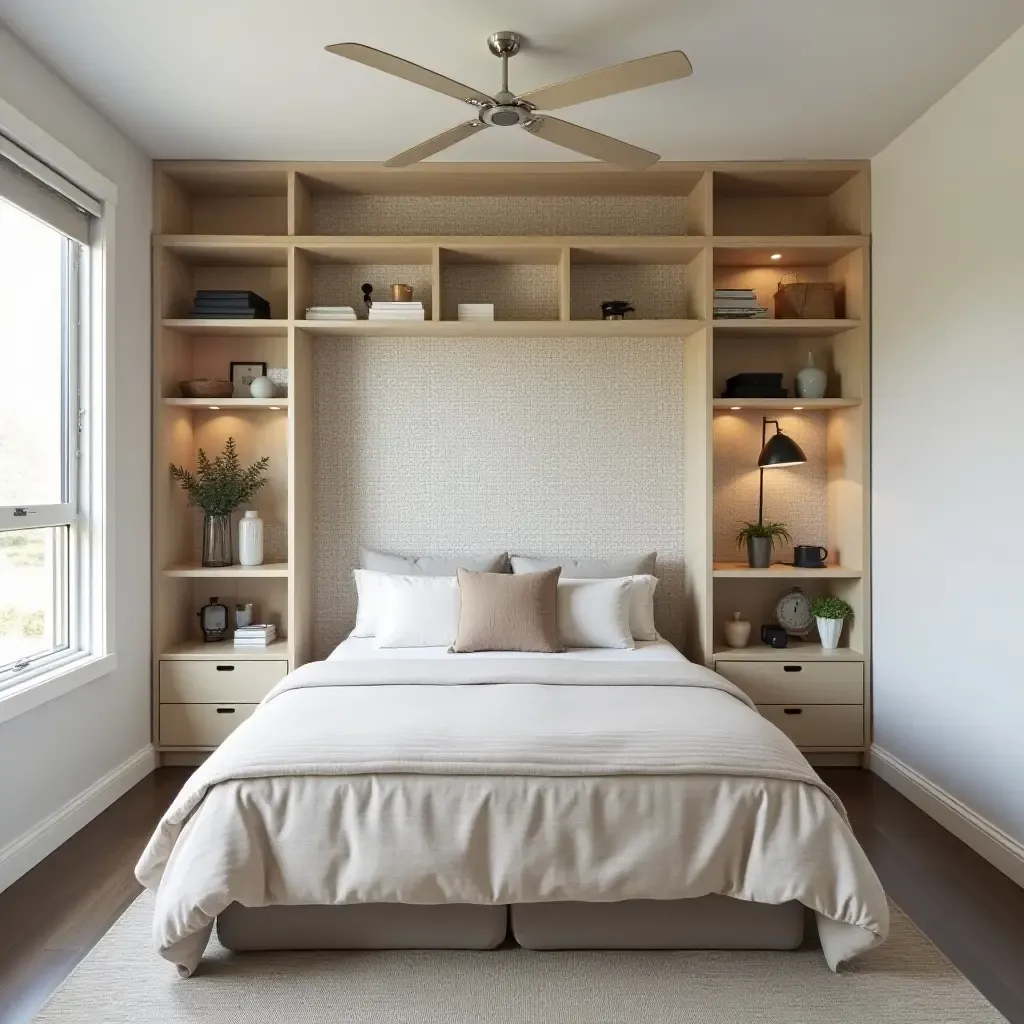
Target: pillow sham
{"x": 502, "y": 612}
{"x": 589, "y": 568}
{"x": 418, "y": 611}
{"x": 423, "y": 565}
{"x": 595, "y": 613}
{"x": 367, "y": 601}
{"x": 641, "y": 607}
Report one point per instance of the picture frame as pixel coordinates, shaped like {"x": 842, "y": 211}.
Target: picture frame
{"x": 243, "y": 374}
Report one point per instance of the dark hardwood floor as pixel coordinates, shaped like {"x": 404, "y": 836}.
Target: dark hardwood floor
{"x": 52, "y": 917}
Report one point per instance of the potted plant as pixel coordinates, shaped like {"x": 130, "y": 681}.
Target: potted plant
{"x": 218, "y": 487}
{"x": 761, "y": 539}
{"x": 830, "y": 613}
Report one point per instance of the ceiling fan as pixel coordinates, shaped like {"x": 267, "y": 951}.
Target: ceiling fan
{"x": 505, "y": 110}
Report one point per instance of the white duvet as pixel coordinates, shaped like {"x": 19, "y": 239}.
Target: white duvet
{"x": 506, "y": 780}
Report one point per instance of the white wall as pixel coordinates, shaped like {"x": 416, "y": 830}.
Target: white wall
{"x": 948, "y": 415}
{"x": 51, "y": 754}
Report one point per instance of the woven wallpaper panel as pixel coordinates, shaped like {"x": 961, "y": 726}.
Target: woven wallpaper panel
{"x": 656, "y": 292}
{"x": 340, "y": 284}
{"x": 499, "y": 215}
{"x": 795, "y": 496}
{"x": 518, "y": 291}
{"x": 543, "y": 446}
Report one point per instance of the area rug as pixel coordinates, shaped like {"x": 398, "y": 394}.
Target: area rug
{"x": 123, "y": 980}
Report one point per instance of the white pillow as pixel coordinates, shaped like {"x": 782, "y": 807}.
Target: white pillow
{"x": 641, "y": 607}
{"x": 368, "y": 594}
{"x": 594, "y": 613}
{"x": 418, "y": 611}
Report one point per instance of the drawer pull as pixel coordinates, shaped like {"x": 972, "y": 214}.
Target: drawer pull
{"x": 231, "y": 711}
{"x": 225, "y": 668}
{"x": 792, "y": 711}
{"x": 792, "y": 668}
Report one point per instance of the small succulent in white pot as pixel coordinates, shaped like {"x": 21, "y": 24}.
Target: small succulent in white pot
{"x": 830, "y": 614}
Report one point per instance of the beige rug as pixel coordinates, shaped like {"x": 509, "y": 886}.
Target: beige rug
{"x": 906, "y": 980}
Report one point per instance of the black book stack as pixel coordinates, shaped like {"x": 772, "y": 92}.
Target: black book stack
{"x": 755, "y": 385}
{"x": 216, "y": 304}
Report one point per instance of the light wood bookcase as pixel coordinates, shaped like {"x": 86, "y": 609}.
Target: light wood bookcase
{"x": 263, "y": 227}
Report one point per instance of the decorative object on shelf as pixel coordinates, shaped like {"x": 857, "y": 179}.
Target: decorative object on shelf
{"x": 811, "y": 381}
{"x": 401, "y": 292}
{"x": 736, "y": 630}
{"x": 331, "y": 313}
{"x": 774, "y": 636}
{"x": 476, "y": 311}
{"x": 793, "y": 612}
{"x": 809, "y": 556}
{"x": 228, "y": 304}
{"x": 755, "y": 385}
{"x": 830, "y": 613}
{"x": 263, "y": 387}
{"x": 805, "y": 300}
{"x": 243, "y": 615}
{"x": 615, "y": 309}
{"x": 737, "y": 304}
{"x": 204, "y": 388}
{"x": 261, "y": 634}
{"x": 367, "y": 290}
{"x": 213, "y": 620}
{"x": 760, "y": 539}
{"x": 242, "y": 376}
{"x": 218, "y": 487}
{"x": 397, "y": 311}
{"x": 250, "y": 538}
{"x": 279, "y": 375}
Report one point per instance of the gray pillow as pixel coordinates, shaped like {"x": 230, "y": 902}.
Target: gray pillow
{"x": 589, "y": 568}
{"x": 378, "y": 561}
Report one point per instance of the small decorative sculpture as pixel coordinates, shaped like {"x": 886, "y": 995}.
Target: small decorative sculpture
{"x": 367, "y": 292}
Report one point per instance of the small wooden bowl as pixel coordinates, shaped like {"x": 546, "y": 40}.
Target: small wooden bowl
{"x": 207, "y": 388}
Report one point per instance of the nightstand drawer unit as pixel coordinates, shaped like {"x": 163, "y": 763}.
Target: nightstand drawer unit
{"x": 819, "y": 705}
{"x": 200, "y": 725}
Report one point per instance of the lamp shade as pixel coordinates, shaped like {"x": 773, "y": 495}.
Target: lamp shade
{"x": 780, "y": 450}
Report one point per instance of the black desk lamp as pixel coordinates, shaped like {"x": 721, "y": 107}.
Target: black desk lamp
{"x": 776, "y": 451}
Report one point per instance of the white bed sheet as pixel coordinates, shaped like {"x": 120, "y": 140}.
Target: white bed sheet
{"x": 359, "y": 648}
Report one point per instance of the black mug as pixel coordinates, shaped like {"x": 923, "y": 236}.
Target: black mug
{"x": 809, "y": 556}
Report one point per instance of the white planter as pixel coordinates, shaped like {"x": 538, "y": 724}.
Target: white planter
{"x": 829, "y": 630}
{"x": 250, "y": 539}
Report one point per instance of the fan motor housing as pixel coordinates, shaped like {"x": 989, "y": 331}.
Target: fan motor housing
{"x": 505, "y": 115}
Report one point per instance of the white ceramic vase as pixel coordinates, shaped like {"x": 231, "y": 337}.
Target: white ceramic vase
{"x": 829, "y": 630}
{"x": 736, "y": 630}
{"x": 263, "y": 387}
{"x": 250, "y": 539}
{"x": 811, "y": 381}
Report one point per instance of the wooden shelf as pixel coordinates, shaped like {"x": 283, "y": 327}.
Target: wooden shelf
{"x": 225, "y": 650}
{"x": 230, "y": 572}
{"x": 798, "y": 650}
{"x": 777, "y": 570}
{"x": 737, "y": 328}
{"x": 795, "y": 251}
{"x": 229, "y": 403}
{"x": 782, "y": 404}
{"x": 235, "y": 328}
{"x": 228, "y": 250}
{"x": 501, "y": 328}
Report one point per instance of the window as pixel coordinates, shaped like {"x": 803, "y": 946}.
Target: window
{"x": 43, "y": 533}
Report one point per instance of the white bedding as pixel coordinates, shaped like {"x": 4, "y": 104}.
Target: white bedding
{"x": 593, "y": 776}
{"x": 358, "y": 648}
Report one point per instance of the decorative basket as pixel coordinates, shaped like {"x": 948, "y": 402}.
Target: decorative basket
{"x": 805, "y": 300}
{"x": 207, "y": 388}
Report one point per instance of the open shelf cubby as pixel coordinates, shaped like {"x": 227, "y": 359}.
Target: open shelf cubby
{"x": 522, "y": 281}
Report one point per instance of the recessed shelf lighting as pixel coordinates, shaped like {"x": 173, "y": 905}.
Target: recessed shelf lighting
{"x": 797, "y": 408}
{"x": 276, "y": 408}
{"x": 215, "y": 408}
{"x": 776, "y": 256}
{"x": 735, "y": 408}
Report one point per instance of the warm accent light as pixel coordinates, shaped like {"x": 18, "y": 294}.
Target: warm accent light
{"x": 797, "y": 408}
{"x": 215, "y": 408}
{"x": 735, "y": 408}
{"x": 776, "y": 256}
{"x": 276, "y": 408}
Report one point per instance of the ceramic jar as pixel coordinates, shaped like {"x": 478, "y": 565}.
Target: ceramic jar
{"x": 250, "y": 539}
{"x": 829, "y": 631}
{"x": 811, "y": 381}
{"x": 736, "y": 630}
{"x": 263, "y": 387}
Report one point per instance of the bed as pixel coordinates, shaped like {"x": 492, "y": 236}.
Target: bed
{"x": 593, "y": 798}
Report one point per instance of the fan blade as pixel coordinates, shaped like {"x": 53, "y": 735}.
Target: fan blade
{"x": 634, "y": 74}
{"x": 410, "y": 72}
{"x": 583, "y": 140}
{"x": 436, "y": 144}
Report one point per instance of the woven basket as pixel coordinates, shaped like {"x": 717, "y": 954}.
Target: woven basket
{"x": 805, "y": 300}
{"x": 207, "y": 388}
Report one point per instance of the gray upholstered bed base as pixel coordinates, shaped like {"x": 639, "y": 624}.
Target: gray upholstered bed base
{"x": 710, "y": 922}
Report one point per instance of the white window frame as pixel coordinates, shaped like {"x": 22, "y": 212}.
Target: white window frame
{"x": 91, "y": 655}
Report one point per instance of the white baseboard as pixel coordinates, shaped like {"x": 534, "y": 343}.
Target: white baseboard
{"x": 987, "y": 840}
{"x": 24, "y": 853}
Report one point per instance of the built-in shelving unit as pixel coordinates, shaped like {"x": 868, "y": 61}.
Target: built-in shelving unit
{"x": 562, "y": 238}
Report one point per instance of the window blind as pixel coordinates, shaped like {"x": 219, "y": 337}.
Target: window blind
{"x": 33, "y": 187}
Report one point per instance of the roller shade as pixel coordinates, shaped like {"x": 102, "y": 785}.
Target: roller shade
{"x": 46, "y": 195}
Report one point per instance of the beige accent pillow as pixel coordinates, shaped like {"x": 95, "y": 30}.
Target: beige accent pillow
{"x": 502, "y": 612}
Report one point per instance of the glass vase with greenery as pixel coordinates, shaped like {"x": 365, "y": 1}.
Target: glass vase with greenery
{"x": 760, "y": 539}
{"x": 218, "y": 487}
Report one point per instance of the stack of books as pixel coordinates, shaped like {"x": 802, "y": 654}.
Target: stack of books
{"x": 397, "y": 311}
{"x": 476, "y": 310}
{"x": 738, "y": 303}
{"x": 330, "y": 313}
{"x": 755, "y": 385}
{"x": 259, "y": 635}
{"x": 229, "y": 304}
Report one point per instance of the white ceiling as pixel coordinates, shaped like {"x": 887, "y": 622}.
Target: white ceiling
{"x": 773, "y": 79}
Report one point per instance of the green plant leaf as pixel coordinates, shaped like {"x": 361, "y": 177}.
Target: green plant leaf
{"x": 221, "y": 485}
{"x": 829, "y": 607}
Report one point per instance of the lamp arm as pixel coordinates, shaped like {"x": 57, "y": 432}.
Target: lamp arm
{"x": 760, "y": 483}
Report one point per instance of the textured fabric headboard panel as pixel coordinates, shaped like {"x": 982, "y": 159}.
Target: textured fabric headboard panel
{"x": 535, "y": 445}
